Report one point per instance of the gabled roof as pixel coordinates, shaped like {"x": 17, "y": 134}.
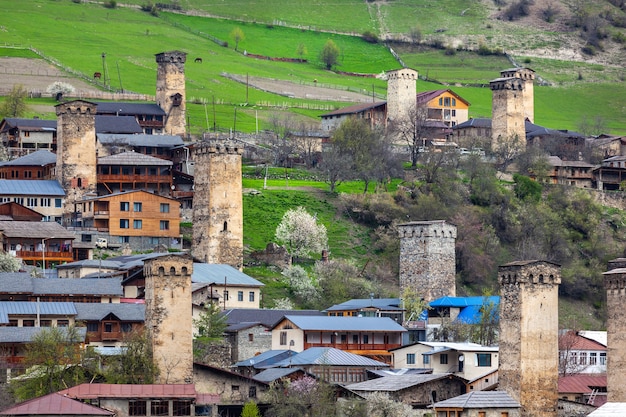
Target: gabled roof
{"x": 393, "y": 383}
{"x": 329, "y": 357}
{"x": 133, "y": 158}
{"x": 26, "y": 334}
{"x": 32, "y": 308}
{"x": 437, "y": 347}
{"x": 611, "y": 409}
{"x": 266, "y": 359}
{"x": 330, "y": 323}
{"x": 117, "y": 124}
{"x": 30, "y": 124}
{"x": 355, "y": 109}
{"x": 425, "y": 96}
{"x": 157, "y": 141}
{"x": 55, "y": 404}
{"x": 221, "y": 274}
{"x": 98, "y": 311}
{"x": 479, "y": 399}
{"x": 270, "y": 375}
{"x": 555, "y": 161}
{"x": 480, "y": 122}
{"x": 128, "y": 109}
{"x": 31, "y": 187}
{"x": 77, "y": 286}
{"x": 360, "y": 303}
{"x": 42, "y": 230}
{"x": 266, "y": 317}
{"x": 38, "y": 158}
{"x": 95, "y": 391}
{"x": 570, "y": 340}
{"x": 16, "y": 283}
{"x": 581, "y": 383}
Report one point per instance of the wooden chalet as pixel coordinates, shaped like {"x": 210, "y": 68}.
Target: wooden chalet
{"x": 128, "y": 171}
{"x": 43, "y": 244}
{"x": 38, "y": 165}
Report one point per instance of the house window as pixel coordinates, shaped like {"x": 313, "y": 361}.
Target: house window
{"x": 137, "y": 408}
{"x": 124, "y": 206}
{"x": 92, "y": 327}
{"x": 159, "y": 408}
{"x": 45, "y": 202}
{"x": 251, "y": 296}
{"x": 453, "y": 102}
{"x": 137, "y": 224}
{"x": 234, "y": 387}
{"x": 355, "y": 339}
{"x": 410, "y": 358}
{"x": 31, "y": 202}
{"x": 137, "y": 207}
{"x": 453, "y": 113}
{"x": 124, "y": 223}
{"x": 446, "y": 101}
{"x": 582, "y": 358}
{"x": 283, "y": 338}
{"x": 573, "y": 358}
{"x": 57, "y": 202}
{"x": 602, "y": 358}
{"x": 63, "y": 323}
{"x": 226, "y": 295}
{"x": 181, "y": 407}
{"x": 504, "y": 414}
{"x": 483, "y": 359}
{"x": 252, "y": 392}
{"x": 164, "y": 225}
{"x": 250, "y": 337}
{"x": 443, "y": 359}
{"x": 482, "y": 414}
{"x": 366, "y": 338}
{"x": 127, "y": 327}
{"x": 108, "y": 327}
{"x": 28, "y": 323}
{"x": 124, "y": 239}
{"x": 239, "y": 295}
{"x": 593, "y": 358}
{"x": 165, "y": 208}
{"x": 48, "y": 323}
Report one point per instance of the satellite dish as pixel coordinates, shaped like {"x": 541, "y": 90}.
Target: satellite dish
{"x": 18, "y": 247}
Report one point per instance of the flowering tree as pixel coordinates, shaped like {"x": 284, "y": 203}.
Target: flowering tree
{"x": 299, "y": 231}
{"x": 301, "y": 284}
{"x": 306, "y": 397}
{"x": 60, "y": 87}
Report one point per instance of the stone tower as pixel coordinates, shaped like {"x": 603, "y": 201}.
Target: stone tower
{"x": 615, "y": 285}
{"x": 218, "y": 204}
{"x": 168, "y": 316}
{"x": 507, "y": 113}
{"x": 427, "y": 258}
{"x": 170, "y": 90}
{"x": 401, "y": 93}
{"x": 527, "y": 75}
{"x": 529, "y": 326}
{"x": 76, "y": 152}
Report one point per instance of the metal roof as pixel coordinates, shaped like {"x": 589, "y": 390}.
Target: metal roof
{"x": 31, "y": 124}
{"x": 32, "y": 308}
{"x": 117, "y": 124}
{"x": 330, "y": 323}
{"x": 26, "y": 334}
{"x": 474, "y": 122}
{"x": 132, "y": 158}
{"x": 393, "y": 383}
{"x": 98, "y": 311}
{"x": 359, "y": 303}
{"x": 272, "y": 374}
{"x": 128, "y": 109}
{"x": 157, "y": 141}
{"x": 581, "y": 383}
{"x": 55, "y": 404}
{"x": 329, "y": 357}
{"x": 266, "y": 317}
{"x": 221, "y": 274}
{"x": 94, "y": 391}
{"x": 41, "y": 157}
{"x": 35, "y": 230}
{"x": 31, "y": 187}
{"x": 77, "y": 286}
{"x": 480, "y": 399}
{"x": 269, "y": 357}
{"x": 609, "y": 410}
{"x": 464, "y": 301}
{"x": 357, "y": 108}
{"x": 16, "y": 283}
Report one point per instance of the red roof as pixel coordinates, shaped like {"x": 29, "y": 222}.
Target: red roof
{"x": 55, "y": 404}
{"x": 581, "y": 383}
{"x": 573, "y": 341}
{"x": 91, "y": 391}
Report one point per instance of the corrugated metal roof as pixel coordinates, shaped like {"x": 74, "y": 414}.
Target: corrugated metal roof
{"x": 41, "y": 158}
{"x": 77, "y": 286}
{"x": 609, "y": 410}
{"x": 266, "y": 317}
{"x": 35, "y": 230}
{"x": 220, "y": 274}
{"x": 464, "y": 301}
{"x": 269, "y": 357}
{"x": 31, "y": 124}
{"x": 393, "y": 383}
{"x": 31, "y": 187}
{"x": 26, "y": 334}
{"x": 358, "y": 303}
{"x": 55, "y": 404}
{"x": 329, "y": 323}
{"x": 357, "y": 108}
{"x": 94, "y": 391}
{"x": 117, "y": 124}
{"x": 98, "y": 311}
{"x": 133, "y": 158}
{"x": 581, "y": 383}
{"x": 271, "y": 375}
{"x": 16, "y": 283}
{"x": 157, "y": 141}
{"x": 479, "y": 122}
{"x": 31, "y": 308}
{"x": 329, "y": 357}
{"x": 480, "y": 399}
{"x": 131, "y": 109}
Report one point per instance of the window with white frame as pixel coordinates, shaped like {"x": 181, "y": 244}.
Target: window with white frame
{"x": 593, "y": 358}
{"x": 582, "y": 358}
{"x": 602, "y": 358}
{"x": 410, "y": 358}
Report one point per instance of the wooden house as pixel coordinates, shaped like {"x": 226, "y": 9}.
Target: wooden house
{"x": 128, "y": 171}
{"x": 444, "y": 106}
{"x": 43, "y": 243}
{"x": 38, "y": 165}
{"x": 23, "y": 136}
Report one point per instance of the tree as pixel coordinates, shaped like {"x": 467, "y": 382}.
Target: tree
{"x": 211, "y": 324}
{"x": 299, "y": 231}
{"x": 238, "y": 36}
{"x": 9, "y": 263}
{"x": 330, "y": 54}
{"x": 335, "y": 166}
{"x": 250, "y": 409}
{"x": 569, "y": 364}
{"x": 414, "y": 305}
{"x": 339, "y": 280}
{"x": 380, "y": 404}
{"x": 301, "y": 284}
{"x": 593, "y": 126}
{"x": 59, "y": 88}
{"x": 283, "y": 147}
{"x": 134, "y": 365}
{"x": 414, "y": 130}
{"x": 301, "y": 51}
{"x": 15, "y": 103}
{"x": 305, "y": 397}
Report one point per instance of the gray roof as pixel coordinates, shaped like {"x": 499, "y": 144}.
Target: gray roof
{"x": 31, "y": 308}
{"x": 328, "y": 323}
{"x": 90, "y": 263}
{"x": 393, "y": 383}
{"x": 34, "y": 230}
{"x": 266, "y": 317}
{"x": 77, "y": 286}
{"x": 269, "y": 357}
{"x": 38, "y": 158}
{"x": 272, "y": 374}
{"x": 157, "y": 141}
{"x": 31, "y": 124}
{"x": 480, "y": 399}
{"x": 98, "y": 311}
{"x": 329, "y": 357}
{"x": 16, "y": 283}
{"x": 132, "y": 158}
{"x": 359, "y": 303}
{"x": 26, "y": 334}
{"x": 128, "y": 109}
{"x": 31, "y": 187}
{"x": 220, "y": 274}
{"x": 117, "y": 124}
{"x": 474, "y": 122}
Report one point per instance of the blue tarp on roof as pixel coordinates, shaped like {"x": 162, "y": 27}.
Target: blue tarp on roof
{"x": 464, "y": 301}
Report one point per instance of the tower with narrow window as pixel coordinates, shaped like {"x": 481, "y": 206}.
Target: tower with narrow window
{"x": 615, "y": 286}
{"x": 527, "y": 76}
{"x": 401, "y": 94}
{"x": 76, "y": 152}
{"x": 427, "y": 258}
{"x": 508, "y": 128}
{"x": 170, "y": 90}
{"x": 168, "y": 316}
{"x": 529, "y": 325}
{"x": 218, "y": 203}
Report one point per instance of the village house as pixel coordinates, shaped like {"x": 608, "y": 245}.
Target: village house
{"x": 127, "y": 171}
{"x": 584, "y": 388}
{"x": 368, "y": 307}
{"x": 574, "y": 173}
{"x": 43, "y": 196}
{"x": 38, "y": 165}
{"x": 445, "y": 106}
{"x": 23, "y": 136}
{"x": 579, "y": 354}
{"x": 149, "y": 116}
{"x": 41, "y": 406}
{"x": 236, "y": 289}
{"x": 611, "y": 173}
{"x": 479, "y": 404}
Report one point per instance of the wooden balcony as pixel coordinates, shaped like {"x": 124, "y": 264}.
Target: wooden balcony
{"x": 132, "y": 178}
{"x": 356, "y": 346}
{"x": 50, "y": 256}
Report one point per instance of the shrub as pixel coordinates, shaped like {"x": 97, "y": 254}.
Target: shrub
{"x": 450, "y": 51}
{"x": 111, "y": 4}
{"x": 518, "y": 10}
{"x": 369, "y": 36}
{"x": 549, "y": 13}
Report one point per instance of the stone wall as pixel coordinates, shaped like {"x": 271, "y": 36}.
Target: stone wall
{"x": 170, "y": 91}
{"x": 527, "y": 75}
{"x": 507, "y": 113}
{"x": 401, "y": 93}
{"x": 615, "y": 285}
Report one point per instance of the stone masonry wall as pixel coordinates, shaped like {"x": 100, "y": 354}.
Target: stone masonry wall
{"x": 507, "y": 112}
{"x": 170, "y": 82}
{"x": 615, "y": 286}
{"x": 401, "y": 93}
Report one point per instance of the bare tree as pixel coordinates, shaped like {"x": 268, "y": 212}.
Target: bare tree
{"x": 413, "y": 129}
{"x": 283, "y": 126}
{"x": 335, "y": 166}
{"x": 569, "y": 360}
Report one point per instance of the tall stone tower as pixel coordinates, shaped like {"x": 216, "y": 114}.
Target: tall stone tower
{"x": 76, "y": 152}
{"x": 507, "y": 113}
{"x": 427, "y": 258}
{"x": 170, "y": 90}
{"x": 529, "y": 325}
{"x": 218, "y": 203}
{"x": 527, "y": 75}
{"x": 615, "y": 286}
{"x": 168, "y": 316}
{"x": 401, "y": 93}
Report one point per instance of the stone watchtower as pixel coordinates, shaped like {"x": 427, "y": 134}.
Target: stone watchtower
{"x": 168, "y": 316}
{"x": 615, "y": 286}
{"x": 527, "y": 75}
{"x": 427, "y": 258}
{"x": 218, "y": 204}
{"x": 76, "y": 151}
{"x": 401, "y": 93}
{"x": 529, "y": 326}
{"x": 507, "y": 113}
{"x": 170, "y": 90}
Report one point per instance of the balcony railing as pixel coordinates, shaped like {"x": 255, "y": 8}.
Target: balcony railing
{"x": 355, "y": 346}
{"x": 49, "y": 255}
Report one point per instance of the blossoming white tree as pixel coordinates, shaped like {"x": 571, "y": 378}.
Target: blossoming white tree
{"x": 300, "y": 233}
